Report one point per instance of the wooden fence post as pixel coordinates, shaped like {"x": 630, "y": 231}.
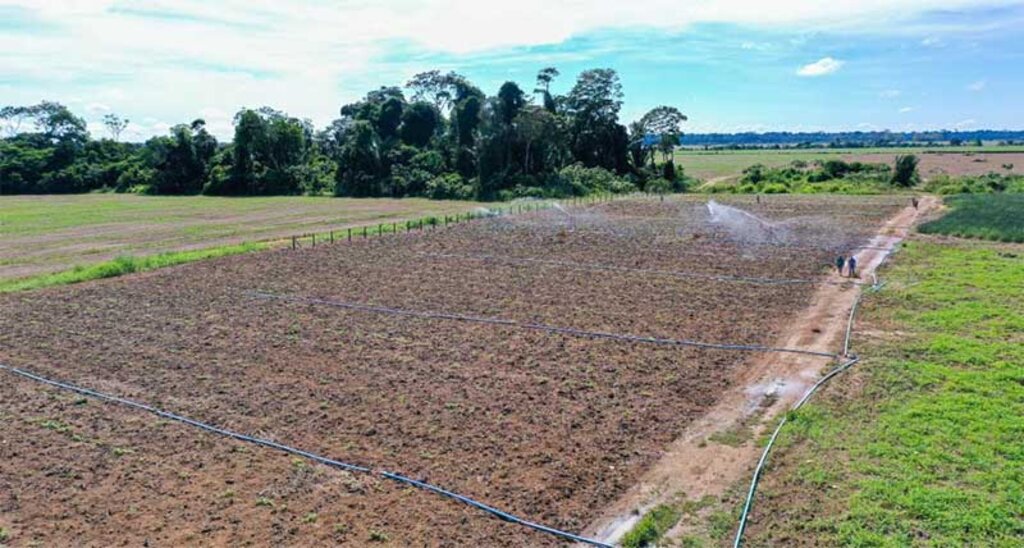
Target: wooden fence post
{"x": 293, "y": 242}
{"x": 350, "y": 234}
{"x": 364, "y": 232}
{"x": 332, "y": 236}
{"x": 314, "y": 238}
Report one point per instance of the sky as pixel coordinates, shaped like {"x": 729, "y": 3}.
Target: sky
{"x": 729, "y": 65}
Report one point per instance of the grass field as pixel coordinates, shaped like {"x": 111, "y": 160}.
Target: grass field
{"x": 45, "y": 234}
{"x": 997, "y": 217}
{"x": 921, "y": 443}
{"x": 952, "y": 160}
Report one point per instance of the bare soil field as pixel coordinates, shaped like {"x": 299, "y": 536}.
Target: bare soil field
{"x": 551, "y": 426}
{"x": 727, "y": 164}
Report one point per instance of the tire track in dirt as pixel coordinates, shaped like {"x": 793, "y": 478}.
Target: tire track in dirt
{"x": 769, "y": 385}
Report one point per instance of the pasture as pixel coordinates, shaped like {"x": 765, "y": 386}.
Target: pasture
{"x": 539, "y": 363}
{"x": 719, "y": 164}
{"x": 45, "y": 234}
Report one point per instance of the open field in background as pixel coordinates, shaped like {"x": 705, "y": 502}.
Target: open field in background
{"x": 953, "y": 161}
{"x": 44, "y": 234}
{"x": 920, "y": 444}
{"x": 550, "y": 425}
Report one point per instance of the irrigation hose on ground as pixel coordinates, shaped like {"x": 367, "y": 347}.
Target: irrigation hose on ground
{"x": 656, "y": 272}
{"x": 534, "y": 326}
{"x": 504, "y": 516}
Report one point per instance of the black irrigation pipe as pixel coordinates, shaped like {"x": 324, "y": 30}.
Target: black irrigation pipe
{"x": 613, "y": 268}
{"x": 771, "y": 441}
{"x": 534, "y": 326}
{"x": 504, "y": 516}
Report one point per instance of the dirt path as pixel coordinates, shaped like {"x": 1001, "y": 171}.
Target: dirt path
{"x": 695, "y": 467}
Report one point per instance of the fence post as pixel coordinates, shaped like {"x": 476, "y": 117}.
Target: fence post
{"x": 364, "y": 232}
{"x": 350, "y": 234}
{"x": 332, "y": 236}
{"x": 314, "y": 238}
{"x": 380, "y": 229}
{"x": 293, "y": 242}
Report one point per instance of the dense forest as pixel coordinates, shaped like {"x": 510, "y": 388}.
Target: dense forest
{"x": 440, "y": 136}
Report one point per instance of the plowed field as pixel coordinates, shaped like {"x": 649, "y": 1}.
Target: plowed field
{"x": 547, "y": 425}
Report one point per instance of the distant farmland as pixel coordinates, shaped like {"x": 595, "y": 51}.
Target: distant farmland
{"x": 42, "y": 234}
{"x": 716, "y": 164}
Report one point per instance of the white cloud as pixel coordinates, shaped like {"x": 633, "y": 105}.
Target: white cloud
{"x": 932, "y": 42}
{"x": 965, "y": 124}
{"x": 977, "y": 86}
{"x": 890, "y": 93}
{"x": 821, "y": 67}
{"x": 171, "y": 57}
{"x": 905, "y": 110}
{"x": 97, "y": 108}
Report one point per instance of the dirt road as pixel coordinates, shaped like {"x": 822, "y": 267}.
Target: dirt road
{"x": 695, "y": 467}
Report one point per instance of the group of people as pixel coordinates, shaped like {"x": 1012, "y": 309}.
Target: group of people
{"x": 849, "y": 263}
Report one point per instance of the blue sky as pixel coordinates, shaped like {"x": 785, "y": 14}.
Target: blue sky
{"x": 730, "y": 65}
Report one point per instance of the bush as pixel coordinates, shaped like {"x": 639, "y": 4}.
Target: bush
{"x": 449, "y": 186}
{"x": 659, "y": 186}
{"x": 578, "y": 180}
{"x": 905, "y": 173}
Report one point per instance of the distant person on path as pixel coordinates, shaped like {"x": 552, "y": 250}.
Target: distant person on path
{"x": 840, "y": 261}
{"x": 914, "y": 201}
{"x": 851, "y": 267}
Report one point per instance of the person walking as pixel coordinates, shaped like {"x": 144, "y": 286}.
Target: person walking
{"x": 840, "y": 261}
{"x": 914, "y": 201}
{"x": 851, "y": 267}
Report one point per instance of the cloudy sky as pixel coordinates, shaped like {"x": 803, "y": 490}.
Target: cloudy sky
{"x": 730, "y": 65}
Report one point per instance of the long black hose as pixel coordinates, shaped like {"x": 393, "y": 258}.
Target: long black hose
{"x": 505, "y": 516}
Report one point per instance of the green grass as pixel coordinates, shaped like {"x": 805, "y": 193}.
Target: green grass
{"x": 930, "y": 449}
{"x": 997, "y": 217}
{"x": 125, "y": 264}
{"x": 44, "y": 234}
{"x": 652, "y": 526}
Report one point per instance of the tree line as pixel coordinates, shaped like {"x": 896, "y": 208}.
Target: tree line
{"x": 438, "y": 136}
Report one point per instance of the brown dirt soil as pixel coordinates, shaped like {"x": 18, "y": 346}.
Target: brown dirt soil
{"x": 548, "y": 426}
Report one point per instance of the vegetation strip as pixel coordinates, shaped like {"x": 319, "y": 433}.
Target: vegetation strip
{"x": 305, "y": 454}
{"x": 125, "y": 264}
{"x": 612, "y": 268}
{"x": 535, "y": 326}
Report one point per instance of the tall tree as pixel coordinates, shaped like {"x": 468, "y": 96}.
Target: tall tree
{"x": 665, "y": 123}
{"x": 115, "y": 125}
{"x": 419, "y": 123}
{"x": 593, "y": 104}
{"x": 544, "y": 79}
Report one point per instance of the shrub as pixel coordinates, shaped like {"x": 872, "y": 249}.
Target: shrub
{"x": 449, "y": 186}
{"x": 659, "y": 186}
{"x": 905, "y": 173}
{"x": 580, "y": 181}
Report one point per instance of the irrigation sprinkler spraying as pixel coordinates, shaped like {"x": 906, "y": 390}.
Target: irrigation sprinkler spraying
{"x": 572, "y": 218}
{"x": 742, "y": 224}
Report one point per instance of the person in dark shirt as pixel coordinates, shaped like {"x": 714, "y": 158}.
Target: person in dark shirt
{"x": 840, "y": 261}
{"x": 851, "y": 267}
